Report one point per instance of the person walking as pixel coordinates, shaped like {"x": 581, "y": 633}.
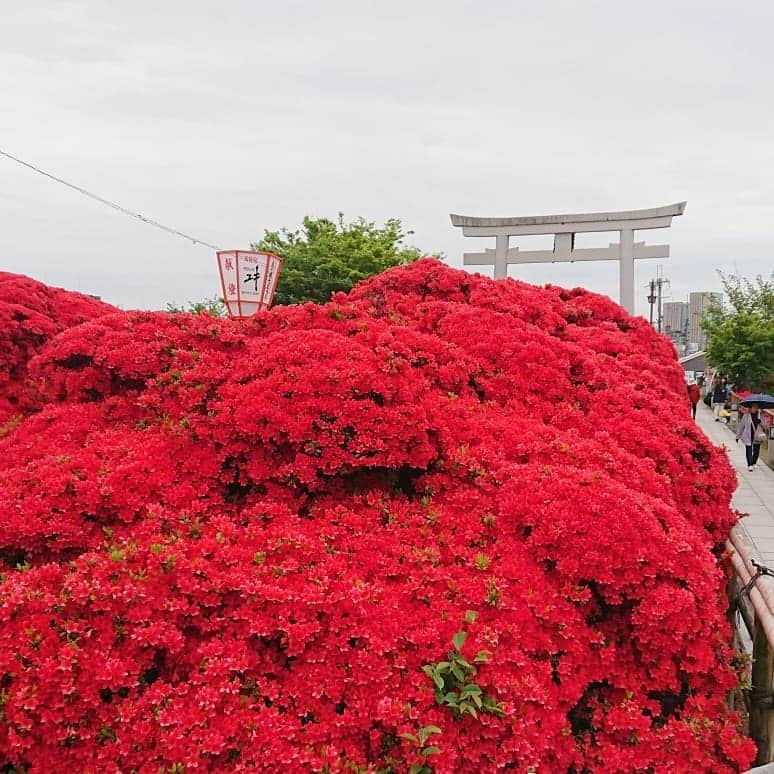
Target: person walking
{"x": 694, "y": 396}
{"x": 752, "y": 431}
{"x": 719, "y": 396}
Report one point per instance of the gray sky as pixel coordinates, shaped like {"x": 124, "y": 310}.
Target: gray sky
{"x": 225, "y": 118}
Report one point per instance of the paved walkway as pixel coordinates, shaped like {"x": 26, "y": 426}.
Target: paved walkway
{"x": 755, "y": 492}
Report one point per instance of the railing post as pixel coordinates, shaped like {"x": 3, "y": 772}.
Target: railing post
{"x": 735, "y": 608}
{"x": 761, "y": 711}
{"x": 755, "y": 603}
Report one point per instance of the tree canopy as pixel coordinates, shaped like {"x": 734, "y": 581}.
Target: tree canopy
{"x": 325, "y": 256}
{"x": 740, "y": 334}
{"x": 213, "y": 306}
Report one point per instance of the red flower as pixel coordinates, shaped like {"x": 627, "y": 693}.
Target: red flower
{"x": 236, "y": 546}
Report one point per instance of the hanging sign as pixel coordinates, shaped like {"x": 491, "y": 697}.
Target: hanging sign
{"x": 248, "y": 279}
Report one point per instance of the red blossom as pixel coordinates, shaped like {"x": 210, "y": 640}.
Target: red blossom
{"x": 31, "y": 314}
{"x": 234, "y": 546}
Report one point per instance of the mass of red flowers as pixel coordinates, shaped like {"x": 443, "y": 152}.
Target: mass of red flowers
{"x": 30, "y": 315}
{"x": 439, "y": 524}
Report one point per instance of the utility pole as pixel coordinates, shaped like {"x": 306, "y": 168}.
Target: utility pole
{"x": 652, "y": 298}
{"x": 656, "y": 297}
{"x": 659, "y": 283}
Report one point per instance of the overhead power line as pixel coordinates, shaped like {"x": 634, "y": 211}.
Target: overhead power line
{"x": 112, "y": 205}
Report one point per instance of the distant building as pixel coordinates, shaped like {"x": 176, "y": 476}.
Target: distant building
{"x": 698, "y": 304}
{"x": 675, "y": 314}
{"x": 695, "y": 367}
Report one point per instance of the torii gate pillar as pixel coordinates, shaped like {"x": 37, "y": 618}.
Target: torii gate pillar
{"x": 564, "y": 228}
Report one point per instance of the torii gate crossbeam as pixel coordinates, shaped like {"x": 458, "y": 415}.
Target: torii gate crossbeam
{"x": 564, "y": 228}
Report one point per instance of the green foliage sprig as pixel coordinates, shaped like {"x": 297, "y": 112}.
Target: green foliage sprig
{"x": 454, "y": 682}
{"x": 420, "y": 739}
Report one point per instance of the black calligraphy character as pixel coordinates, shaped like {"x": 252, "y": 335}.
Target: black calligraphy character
{"x": 254, "y": 277}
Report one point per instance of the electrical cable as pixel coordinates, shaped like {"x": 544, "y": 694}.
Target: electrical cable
{"x": 110, "y": 204}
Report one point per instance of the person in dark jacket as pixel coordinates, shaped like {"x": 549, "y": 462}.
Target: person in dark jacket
{"x": 694, "y": 395}
{"x": 719, "y": 397}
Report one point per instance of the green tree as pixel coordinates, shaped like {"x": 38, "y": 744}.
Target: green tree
{"x": 213, "y": 306}
{"x": 325, "y": 256}
{"x": 740, "y": 334}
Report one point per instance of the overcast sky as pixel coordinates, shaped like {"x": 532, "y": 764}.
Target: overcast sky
{"x": 225, "y": 118}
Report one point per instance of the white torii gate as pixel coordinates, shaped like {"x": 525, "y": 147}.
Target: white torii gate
{"x": 564, "y": 228}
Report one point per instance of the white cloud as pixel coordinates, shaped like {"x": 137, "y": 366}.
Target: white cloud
{"x": 222, "y": 119}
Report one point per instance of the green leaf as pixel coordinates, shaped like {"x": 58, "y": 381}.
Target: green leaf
{"x": 427, "y": 731}
{"x": 492, "y": 706}
{"x": 482, "y": 657}
{"x": 410, "y": 738}
{"x": 459, "y": 639}
{"x": 432, "y": 673}
{"x": 432, "y": 750}
{"x": 470, "y": 616}
{"x": 458, "y": 673}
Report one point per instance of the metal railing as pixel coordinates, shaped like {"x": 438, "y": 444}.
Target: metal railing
{"x": 751, "y": 594}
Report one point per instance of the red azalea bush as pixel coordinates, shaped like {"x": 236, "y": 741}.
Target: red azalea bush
{"x": 31, "y": 314}
{"x": 440, "y": 524}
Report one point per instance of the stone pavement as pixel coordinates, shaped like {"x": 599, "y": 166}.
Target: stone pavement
{"x": 755, "y": 492}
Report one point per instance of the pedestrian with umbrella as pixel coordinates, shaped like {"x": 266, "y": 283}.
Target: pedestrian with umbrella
{"x": 752, "y": 429}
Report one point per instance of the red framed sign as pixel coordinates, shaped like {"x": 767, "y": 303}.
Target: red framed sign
{"x": 248, "y": 279}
